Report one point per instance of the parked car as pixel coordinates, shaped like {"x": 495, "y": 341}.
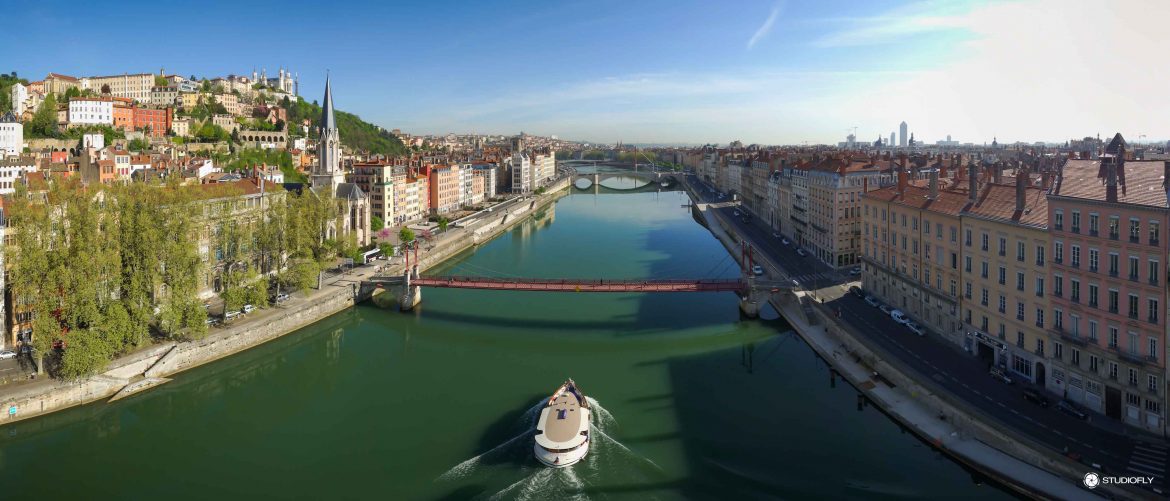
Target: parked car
{"x": 757, "y": 270}
{"x": 856, "y": 291}
{"x": 872, "y": 301}
{"x": 784, "y": 241}
{"x": 899, "y": 317}
{"x": 1036, "y": 398}
{"x": 280, "y": 298}
{"x": 801, "y": 252}
{"x": 231, "y": 315}
{"x": 735, "y": 213}
{"x": 6, "y": 354}
{"x": 885, "y": 308}
{"x": 1072, "y": 409}
{"x": 856, "y": 270}
{"x": 999, "y": 374}
{"x": 915, "y": 328}
{"x": 775, "y": 235}
{"x": 211, "y": 321}
{"x": 247, "y": 309}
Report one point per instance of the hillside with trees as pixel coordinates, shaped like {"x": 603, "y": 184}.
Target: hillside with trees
{"x": 355, "y": 133}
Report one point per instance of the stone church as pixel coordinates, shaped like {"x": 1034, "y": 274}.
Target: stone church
{"x": 328, "y": 177}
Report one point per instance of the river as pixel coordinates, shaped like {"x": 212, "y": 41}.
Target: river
{"x": 693, "y": 400}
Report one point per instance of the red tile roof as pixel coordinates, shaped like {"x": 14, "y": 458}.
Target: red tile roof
{"x": 948, "y": 202}
{"x": 997, "y": 202}
{"x": 1143, "y": 183}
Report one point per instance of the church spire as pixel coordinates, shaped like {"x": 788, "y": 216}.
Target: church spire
{"x": 327, "y": 121}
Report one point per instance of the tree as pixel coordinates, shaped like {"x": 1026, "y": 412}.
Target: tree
{"x": 105, "y": 89}
{"x": 405, "y": 235}
{"x": 376, "y": 224}
{"x": 443, "y": 222}
{"x": 71, "y": 93}
{"x": 44, "y": 121}
{"x": 160, "y": 81}
{"x": 138, "y": 145}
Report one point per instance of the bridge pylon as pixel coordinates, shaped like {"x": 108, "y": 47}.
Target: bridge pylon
{"x": 411, "y": 294}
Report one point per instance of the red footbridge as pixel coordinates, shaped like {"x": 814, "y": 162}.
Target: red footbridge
{"x": 582, "y": 284}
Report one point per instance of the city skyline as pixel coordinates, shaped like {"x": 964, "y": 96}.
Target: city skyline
{"x": 764, "y": 72}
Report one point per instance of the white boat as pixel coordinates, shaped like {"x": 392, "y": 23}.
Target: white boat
{"x": 562, "y": 432}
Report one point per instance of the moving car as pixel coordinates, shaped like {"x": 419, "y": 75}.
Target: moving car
{"x": 872, "y": 301}
{"x": 1072, "y": 409}
{"x": 757, "y": 270}
{"x": 999, "y": 374}
{"x": 6, "y": 354}
{"x": 899, "y": 317}
{"x": 801, "y": 252}
{"x": 1036, "y": 398}
{"x": 784, "y": 241}
{"x": 856, "y": 291}
{"x": 915, "y": 328}
{"x": 856, "y": 270}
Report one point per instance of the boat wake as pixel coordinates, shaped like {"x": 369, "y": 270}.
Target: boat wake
{"x": 509, "y": 471}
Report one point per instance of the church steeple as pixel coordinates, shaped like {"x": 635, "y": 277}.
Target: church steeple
{"x": 327, "y": 121}
{"x": 328, "y": 173}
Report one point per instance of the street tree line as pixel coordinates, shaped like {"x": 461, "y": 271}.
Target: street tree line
{"x": 103, "y": 270}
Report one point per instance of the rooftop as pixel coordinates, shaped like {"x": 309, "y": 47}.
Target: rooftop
{"x": 1139, "y": 183}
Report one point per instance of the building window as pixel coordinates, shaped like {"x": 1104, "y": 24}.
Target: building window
{"x": 1002, "y": 304}
{"x": 1133, "y": 343}
{"x": 1040, "y": 347}
{"x": 1002, "y": 246}
{"x": 1074, "y": 290}
{"x": 1112, "y": 336}
{"x": 1152, "y": 382}
{"x": 1039, "y": 317}
{"x": 1152, "y": 314}
{"x": 1039, "y": 255}
{"x": 1019, "y": 311}
{"x": 1057, "y": 319}
{"x": 1153, "y": 348}
{"x": 1113, "y": 300}
{"x": 1002, "y": 275}
{"x": 1020, "y": 339}
{"x": 1076, "y": 256}
{"x": 983, "y": 270}
{"x": 1058, "y": 351}
{"x": 1133, "y": 306}
{"x": 983, "y": 242}
{"x": 983, "y": 299}
{"x": 1019, "y": 280}
{"x": 1093, "y": 331}
{"x": 1113, "y": 371}
{"x": 1059, "y": 220}
{"x": 1076, "y": 221}
{"x": 1153, "y": 232}
{"x": 1093, "y": 295}
{"x": 1039, "y": 286}
{"x": 1019, "y": 251}
{"x": 1153, "y": 270}
{"x": 1135, "y": 231}
{"x": 967, "y": 238}
{"x": 1114, "y": 227}
{"x": 1133, "y": 268}
{"x": 1076, "y": 357}
{"x": 1133, "y": 377}
{"x": 1057, "y": 285}
{"x": 1058, "y": 252}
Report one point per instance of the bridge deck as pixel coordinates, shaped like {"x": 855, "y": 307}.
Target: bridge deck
{"x": 580, "y": 285}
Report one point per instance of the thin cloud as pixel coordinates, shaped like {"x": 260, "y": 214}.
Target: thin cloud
{"x": 764, "y": 28}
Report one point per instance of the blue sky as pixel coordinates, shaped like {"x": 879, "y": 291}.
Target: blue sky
{"x": 770, "y": 72}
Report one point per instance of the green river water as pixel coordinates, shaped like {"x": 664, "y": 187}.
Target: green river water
{"x": 693, "y": 401}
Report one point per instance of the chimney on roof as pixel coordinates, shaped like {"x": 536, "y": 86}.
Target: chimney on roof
{"x": 902, "y": 175}
{"x": 1021, "y": 188}
{"x": 933, "y": 195}
{"x": 972, "y": 182}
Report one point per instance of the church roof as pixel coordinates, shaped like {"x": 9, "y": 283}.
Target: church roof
{"x": 349, "y": 191}
{"x": 327, "y": 121}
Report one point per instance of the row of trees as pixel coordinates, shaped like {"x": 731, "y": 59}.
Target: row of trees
{"x": 103, "y": 270}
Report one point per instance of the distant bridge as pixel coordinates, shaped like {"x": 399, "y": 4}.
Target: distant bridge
{"x": 581, "y": 284}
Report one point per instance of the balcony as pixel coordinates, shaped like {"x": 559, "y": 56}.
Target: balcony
{"x": 1058, "y": 227}
{"x": 1134, "y": 240}
{"x": 1075, "y": 229}
{"x": 1154, "y": 242}
{"x": 1065, "y": 336}
{"x": 1058, "y": 260}
{"x": 1039, "y": 262}
{"x": 1093, "y": 233}
{"x": 1113, "y": 235}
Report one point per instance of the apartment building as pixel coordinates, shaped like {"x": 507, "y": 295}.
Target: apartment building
{"x": 911, "y": 251}
{"x": 377, "y": 179}
{"x": 445, "y": 188}
{"x": 137, "y": 86}
{"x": 1006, "y": 287}
{"x": 1108, "y": 324}
{"x": 91, "y": 111}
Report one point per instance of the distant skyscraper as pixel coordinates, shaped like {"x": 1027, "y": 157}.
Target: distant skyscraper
{"x": 892, "y": 142}
{"x": 902, "y": 134}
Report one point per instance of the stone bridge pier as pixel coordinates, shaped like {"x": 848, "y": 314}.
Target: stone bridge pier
{"x": 411, "y": 294}
{"x": 749, "y": 300}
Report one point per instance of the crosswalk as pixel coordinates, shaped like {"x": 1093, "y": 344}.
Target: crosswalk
{"x": 1149, "y": 460}
{"x": 808, "y": 279}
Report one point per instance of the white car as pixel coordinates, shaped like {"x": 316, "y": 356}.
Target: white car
{"x": 247, "y": 309}
{"x": 735, "y": 212}
{"x": 856, "y": 270}
{"x": 757, "y": 270}
{"x": 801, "y": 252}
{"x": 915, "y": 328}
{"x": 6, "y": 354}
{"x": 784, "y": 241}
{"x": 899, "y": 317}
{"x": 775, "y": 235}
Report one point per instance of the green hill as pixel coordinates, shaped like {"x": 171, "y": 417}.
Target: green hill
{"x": 355, "y": 133}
